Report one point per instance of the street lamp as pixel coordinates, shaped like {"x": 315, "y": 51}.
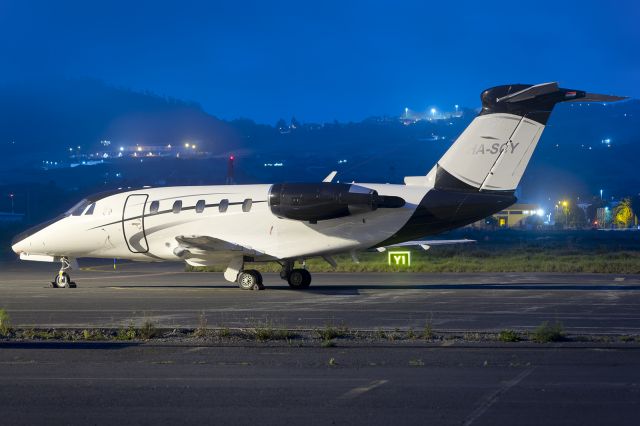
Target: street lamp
{"x": 12, "y": 196}
{"x": 601, "y": 195}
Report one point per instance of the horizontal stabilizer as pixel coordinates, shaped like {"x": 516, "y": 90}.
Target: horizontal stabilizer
{"x": 530, "y": 92}
{"x": 596, "y": 97}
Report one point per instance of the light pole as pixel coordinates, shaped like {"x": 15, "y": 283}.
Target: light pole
{"x": 601, "y": 195}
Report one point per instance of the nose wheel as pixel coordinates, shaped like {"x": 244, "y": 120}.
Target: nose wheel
{"x": 250, "y": 280}
{"x": 62, "y": 278}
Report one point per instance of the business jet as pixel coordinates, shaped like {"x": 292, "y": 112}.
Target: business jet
{"x": 236, "y": 225}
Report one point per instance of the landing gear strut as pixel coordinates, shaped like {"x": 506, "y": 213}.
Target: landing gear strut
{"x": 62, "y": 278}
{"x": 297, "y": 278}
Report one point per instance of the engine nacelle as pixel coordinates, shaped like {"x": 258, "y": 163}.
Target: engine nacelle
{"x": 326, "y": 200}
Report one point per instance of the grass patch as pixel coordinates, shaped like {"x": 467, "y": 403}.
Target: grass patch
{"x": 329, "y": 332}
{"x": 411, "y": 335}
{"x": 5, "y": 323}
{"x": 201, "y": 331}
{"x": 128, "y": 333}
{"x": 508, "y": 336}
{"x": 147, "y": 330}
{"x": 427, "y": 331}
{"x": 503, "y": 251}
{"x": 267, "y": 331}
{"x": 380, "y": 334}
{"x": 224, "y": 333}
{"x": 547, "y": 332}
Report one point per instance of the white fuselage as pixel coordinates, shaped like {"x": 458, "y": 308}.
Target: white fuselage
{"x": 124, "y": 226}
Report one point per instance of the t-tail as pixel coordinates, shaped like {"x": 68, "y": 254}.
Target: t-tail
{"x": 494, "y": 150}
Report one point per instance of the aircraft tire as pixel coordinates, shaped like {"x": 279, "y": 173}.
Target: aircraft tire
{"x": 299, "y": 279}
{"x": 250, "y": 280}
{"x": 63, "y": 281}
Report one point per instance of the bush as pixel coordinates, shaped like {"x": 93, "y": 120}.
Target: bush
{"x": 128, "y": 333}
{"x": 148, "y": 330}
{"x": 330, "y": 332}
{"x": 5, "y": 323}
{"x": 546, "y": 332}
{"x": 508, "y": 336}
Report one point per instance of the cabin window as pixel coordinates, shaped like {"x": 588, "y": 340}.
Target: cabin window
{"x": 90, "y": 210}
{"x": 155, "y": 206}
{"x": 246, "y": 205}
{"x": 224, "y": 205}
{"x": 200, "y": 206}
{"x": 177, "y": 207}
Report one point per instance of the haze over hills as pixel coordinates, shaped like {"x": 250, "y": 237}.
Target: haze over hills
{"x": 584, "y": 148}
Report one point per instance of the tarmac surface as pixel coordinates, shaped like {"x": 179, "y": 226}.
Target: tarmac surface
{"x": 170, "y": 297}
{"x": 120, "y": 383}
{"x": 446, "y": 382}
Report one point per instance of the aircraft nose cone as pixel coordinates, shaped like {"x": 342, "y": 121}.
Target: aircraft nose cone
{"x": 19, "y": 245}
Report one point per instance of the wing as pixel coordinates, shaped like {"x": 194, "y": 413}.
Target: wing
{"x": 426, "y": 244}
{"x": 203, "y": 250}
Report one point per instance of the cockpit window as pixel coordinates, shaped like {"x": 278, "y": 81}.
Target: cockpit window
{"x": 177, "y": 206}
{"x": 78, "y": 209}
{"x": 90, "y": 210}
{"x": 246, "y": 205}
{"x": 224, "y": 205}
{"x": 200, "y": 205}
{"x": 154, "y": 207}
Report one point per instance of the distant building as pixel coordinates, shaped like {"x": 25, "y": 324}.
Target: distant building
{"x": 6, "y": 217}
{"x": 515, "y": 215}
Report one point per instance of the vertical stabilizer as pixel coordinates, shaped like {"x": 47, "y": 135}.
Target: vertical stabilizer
{"x": 493, "y": 151}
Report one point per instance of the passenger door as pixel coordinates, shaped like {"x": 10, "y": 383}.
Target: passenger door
{"x": 133, "y": 223}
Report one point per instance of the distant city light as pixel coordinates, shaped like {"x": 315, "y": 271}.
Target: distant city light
{"x": 186, "y": 145}
{"x": 540, "y": 212}
{"x": 433, "y": 111}
{"x": 231, "y": 157}
{"x": 139, "y": 149}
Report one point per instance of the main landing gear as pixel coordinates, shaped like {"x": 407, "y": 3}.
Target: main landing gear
{"x": 250, "y": 279}
{"x": 297, "y": 278}
{"x": 62, "y": 278}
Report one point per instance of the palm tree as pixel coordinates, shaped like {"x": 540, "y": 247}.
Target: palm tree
{"x": 623, "y": 215}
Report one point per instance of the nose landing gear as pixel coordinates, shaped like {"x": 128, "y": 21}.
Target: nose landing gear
{"x": 62, "y": 278}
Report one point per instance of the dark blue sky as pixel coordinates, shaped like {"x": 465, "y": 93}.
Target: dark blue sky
{"x": 324, "y": 60}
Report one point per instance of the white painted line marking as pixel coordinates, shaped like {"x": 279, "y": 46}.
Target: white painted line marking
{"x": 492, "y": 398}
{"x": 357, "y": 391}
